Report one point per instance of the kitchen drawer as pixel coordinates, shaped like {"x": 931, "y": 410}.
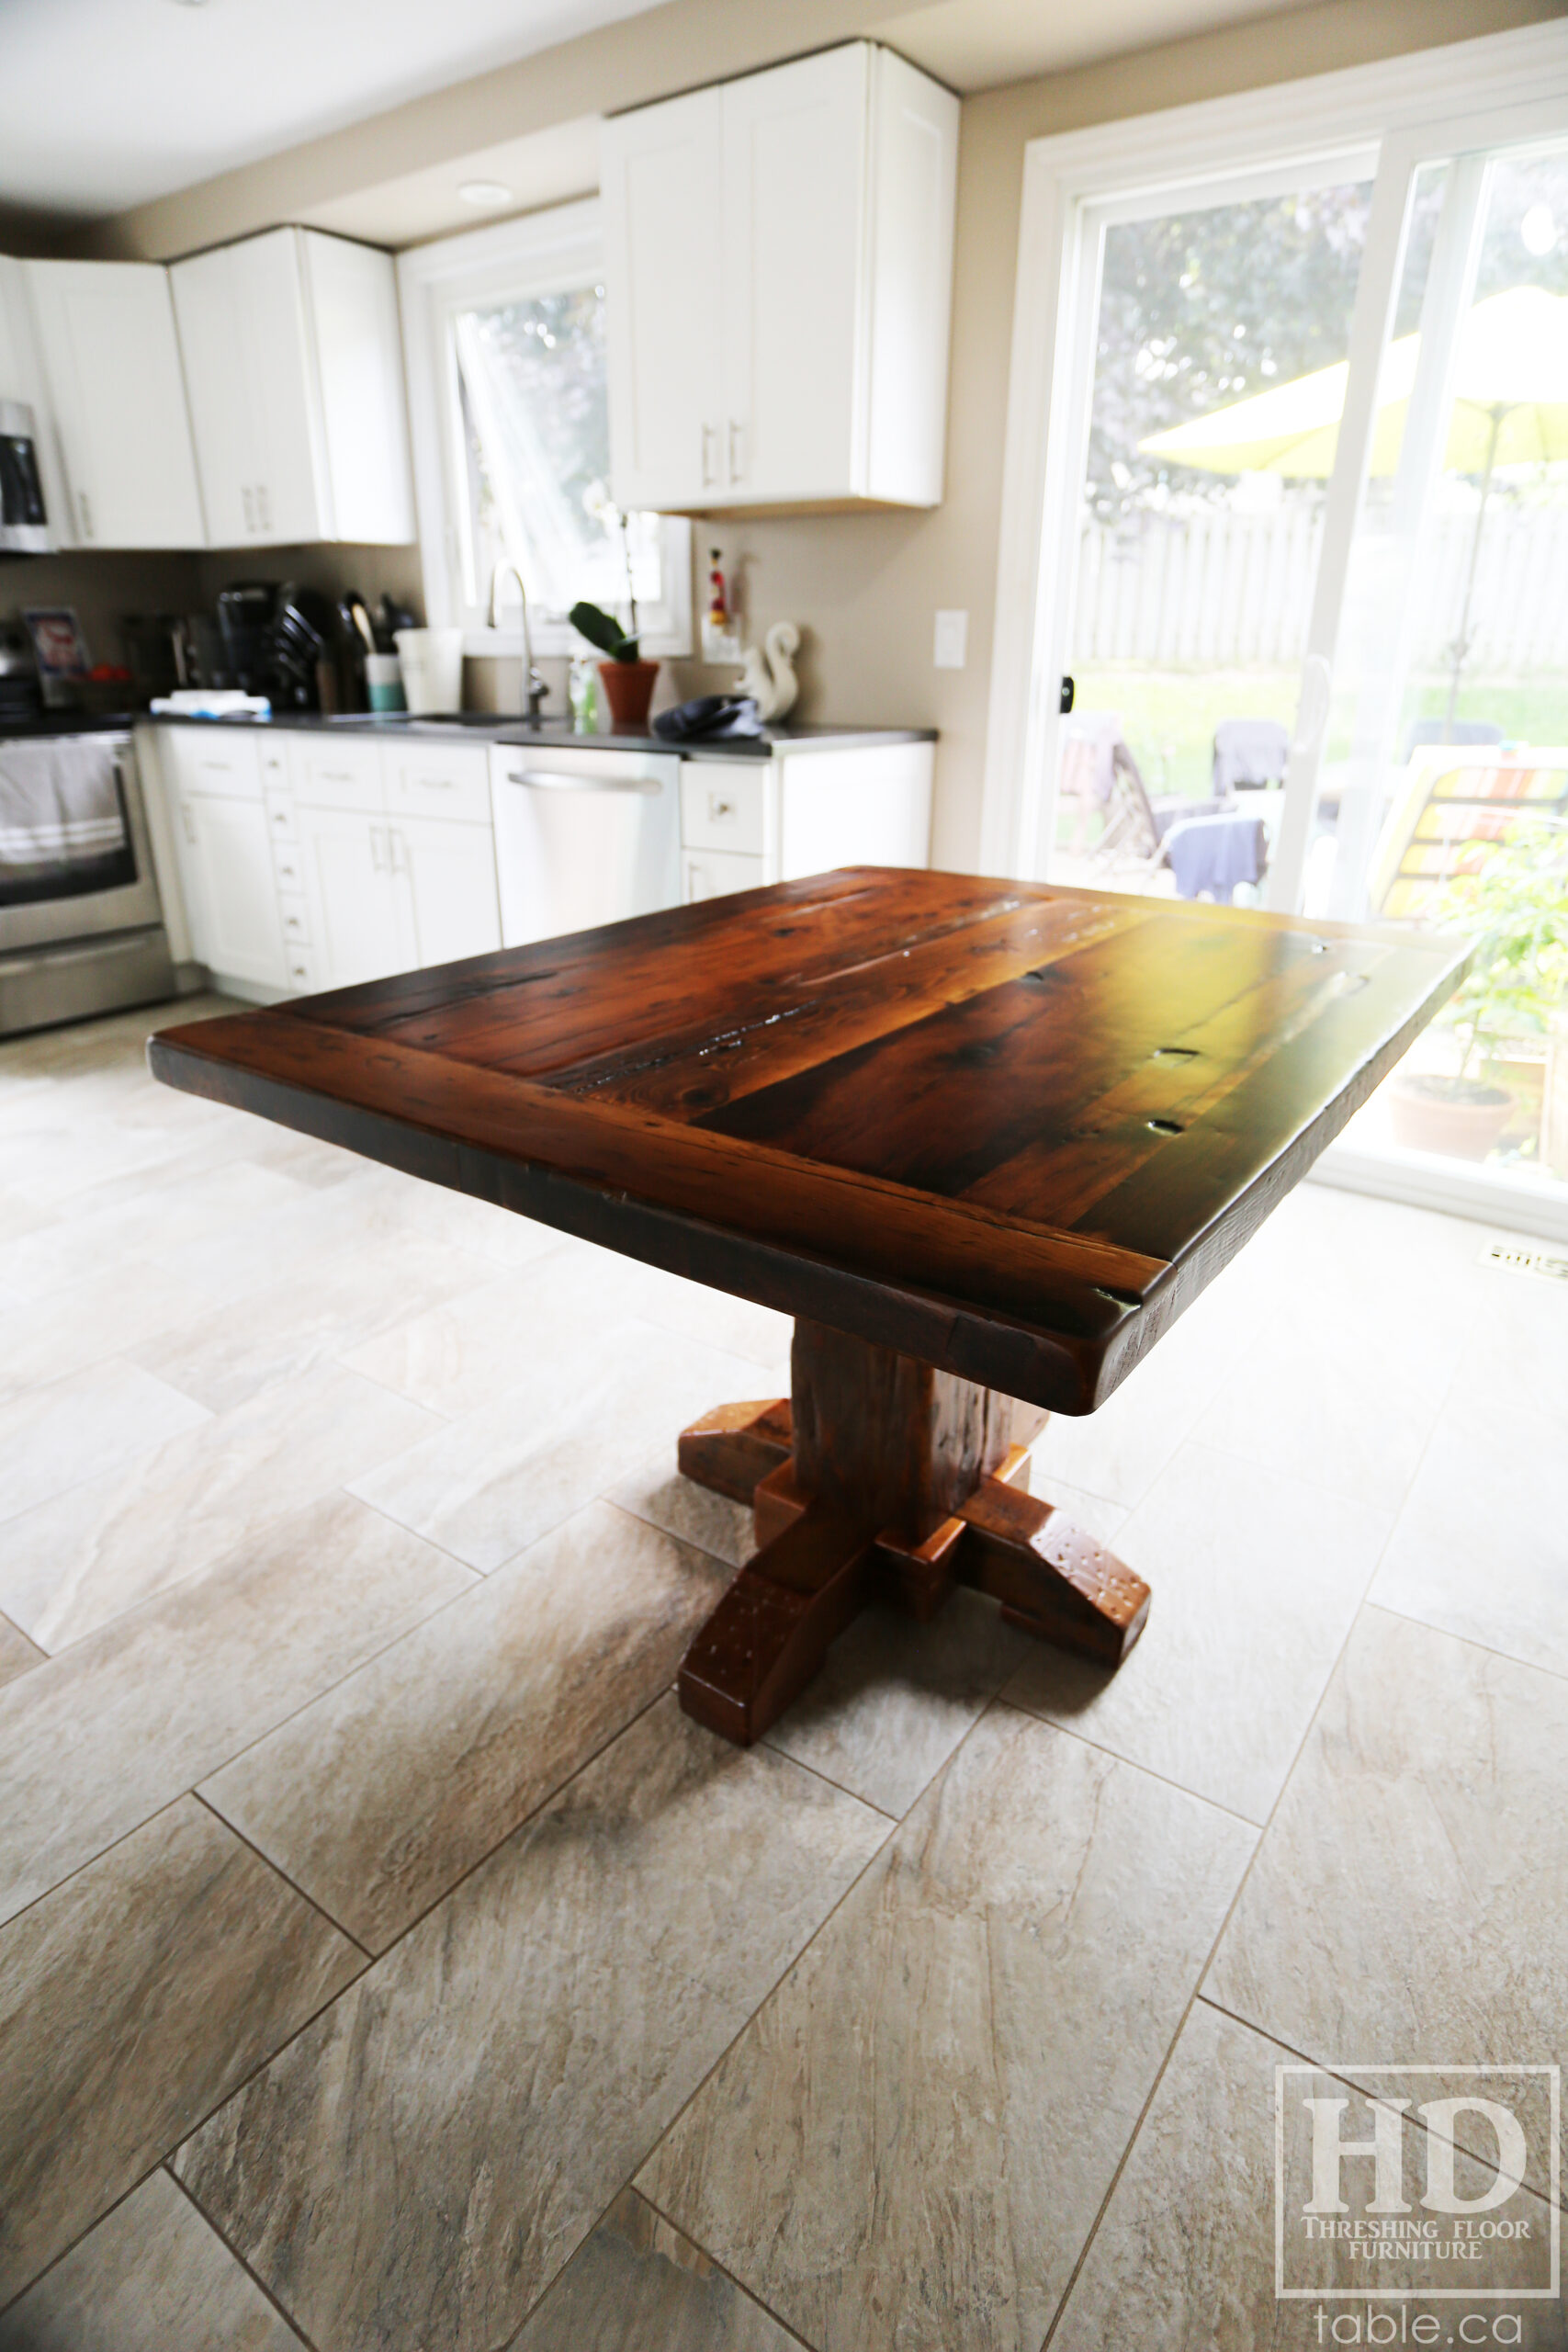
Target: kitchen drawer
{"x": 274, "y": 773}
{"x": 301, "y": 966}
{"x": 204, "y": 759}
{"x": 438, "y": 780}
{"x": 715, "y": 872}
{"x": 724, "y": 806}
{"x": 295, "y": 918}
{"x": 289, "y": 866}
{"x": 335, "y": 772}
{"x": 280, "y": 819}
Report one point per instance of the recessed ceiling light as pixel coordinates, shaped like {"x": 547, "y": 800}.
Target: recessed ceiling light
{"x": 487, "y": 195}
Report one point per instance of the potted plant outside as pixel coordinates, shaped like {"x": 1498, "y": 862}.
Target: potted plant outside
{"x": 1514, "y": 906}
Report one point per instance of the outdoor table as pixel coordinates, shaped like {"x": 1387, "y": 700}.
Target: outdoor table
{"x": 985, "y": 1140}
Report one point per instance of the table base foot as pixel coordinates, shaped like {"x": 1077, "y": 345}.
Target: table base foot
{"x": 880, "y": 1477}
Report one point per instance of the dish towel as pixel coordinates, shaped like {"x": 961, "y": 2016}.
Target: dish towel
{"x": 1214, "y": 854}
{"x": 59, "y": 804}
{"x": 1249, "y": 752}
{"x": 711, "y": 718}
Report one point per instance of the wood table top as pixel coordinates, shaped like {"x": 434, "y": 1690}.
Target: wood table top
{"x": 1008, "y": 1128}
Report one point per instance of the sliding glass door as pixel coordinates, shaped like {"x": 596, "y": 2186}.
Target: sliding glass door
{"x": 1316, "y": 605}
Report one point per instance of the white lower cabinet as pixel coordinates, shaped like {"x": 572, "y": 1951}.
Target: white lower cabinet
{"x": 450, "y": 871}
{"x": 306, "y": 860}
{"x": 359, "y": 905}
{"x": 230, "y": 902}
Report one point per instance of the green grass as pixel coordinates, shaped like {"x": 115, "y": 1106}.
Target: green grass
{"x": 1169, "y": 715}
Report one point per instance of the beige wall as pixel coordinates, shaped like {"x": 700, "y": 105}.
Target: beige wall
{"x": 864, "y": 586}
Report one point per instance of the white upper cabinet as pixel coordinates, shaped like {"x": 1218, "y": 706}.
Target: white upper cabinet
{"x": 295, "y": 372}
{"x": 106, "y": 336}
{"x": 780, "y": 262}
{"x": 661, "y": 195}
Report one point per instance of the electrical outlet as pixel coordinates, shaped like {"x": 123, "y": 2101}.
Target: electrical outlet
{"x": 951, "y": 644}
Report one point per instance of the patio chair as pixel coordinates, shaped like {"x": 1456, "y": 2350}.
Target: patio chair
{"x": 1449, "y": 809}
{"x": 1139, "y": 829}
{"x": 1464, "y": 731}
{"x": 1249, "y": 754}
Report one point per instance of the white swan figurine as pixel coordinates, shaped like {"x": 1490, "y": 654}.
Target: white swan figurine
{"x": 769, "y": 675}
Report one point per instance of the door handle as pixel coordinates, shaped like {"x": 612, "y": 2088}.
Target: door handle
{"x": 551, "y": 780}
{"x": 248, "y": 500}
{"x": 378, "y": 859}
{"x": 397, "y": 851}
{"x": 710, "y": 434}
{"x": 263, "y": 505}
{"x": 736, "y": 450}
{"x": 189, "y": 822}
{"x": 86, "y": 506}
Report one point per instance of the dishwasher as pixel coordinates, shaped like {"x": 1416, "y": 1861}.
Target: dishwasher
{"x": 583, "y": 837}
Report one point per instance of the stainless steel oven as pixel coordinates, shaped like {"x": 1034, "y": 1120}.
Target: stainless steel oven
{"x": 80, "y": 932}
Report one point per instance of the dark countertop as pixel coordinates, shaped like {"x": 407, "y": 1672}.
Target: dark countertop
{"x": 67, "y": 722}
{"x": 500, "y": 727}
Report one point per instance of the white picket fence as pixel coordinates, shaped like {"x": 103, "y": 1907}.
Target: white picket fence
{"x": 1225, "y": 589}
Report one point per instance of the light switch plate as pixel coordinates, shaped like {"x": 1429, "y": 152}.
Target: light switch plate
{"x": 950, "y": 647}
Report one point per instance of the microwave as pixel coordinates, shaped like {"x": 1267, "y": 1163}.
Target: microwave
{"x": 24, "y": 522}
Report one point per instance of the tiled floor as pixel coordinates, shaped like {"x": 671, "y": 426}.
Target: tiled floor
{"x": 385, "y": 1962}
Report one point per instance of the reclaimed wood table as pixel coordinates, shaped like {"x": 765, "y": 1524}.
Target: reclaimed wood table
{"x": 984, "y": 1141}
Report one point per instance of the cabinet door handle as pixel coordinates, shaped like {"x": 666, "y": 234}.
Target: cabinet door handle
{"x": 189, "y": 821}
{"x": 736, "y": 450}
{"x": 84, "y": 503}
{"x": 710, "y": 434}
{"x": 378, "y": 851}
{"x": 247, "y": 501}
{"x": 263, "y": 505}
{"x": 397, "y": 850}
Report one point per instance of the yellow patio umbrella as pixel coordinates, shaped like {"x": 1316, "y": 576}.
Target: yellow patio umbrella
{"x": 1510, "y": 403}
{"x": 1510, "y": 408}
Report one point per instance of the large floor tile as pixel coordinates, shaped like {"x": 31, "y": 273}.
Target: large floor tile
{"x": 75, "y": 1562}
{"x": 133, "y": 2000}
{"x": 1406, "y": 1904}
{"x": 131, "y": 1218}
{"x": 522, "y": 1336}
{"x": 1480, "y": 1553}
{"x": 1255, "y": 1581}
{"x": 908, "y": 2144}
{"x": 500, "y": 1479}
{"x": 1346, "y": 1401}
{"x": 380, "y": 1797}
{"x": 459, "y": 1220}
{"x": 417, "y": 2165}
{"x": 894, "y": 1698}
{"x": 635, "y": 2284}
{"x": 151, "y": 2278}
{"x": 106, "y": 1733}
{"x": 654, "y": 1489}
{"x": 18, "y": 1655}
{"x": 46, "y": 1339}
{"x": 317, "y": 1308}
{"x": 1184, "y": 2257}
{"x": 1120, "y": 1450}
{"x": 84, "y": 1427}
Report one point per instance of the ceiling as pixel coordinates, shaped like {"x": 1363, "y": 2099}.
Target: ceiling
{"x": 109, "y": 103}
{"x": 105, "y": 104}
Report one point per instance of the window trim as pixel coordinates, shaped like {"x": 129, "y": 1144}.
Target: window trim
{"x": 542, "y": 253}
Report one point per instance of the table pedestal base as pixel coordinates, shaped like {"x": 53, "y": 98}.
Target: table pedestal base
{"x": 881, "y": 1476}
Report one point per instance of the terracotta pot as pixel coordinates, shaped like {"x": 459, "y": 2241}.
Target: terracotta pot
{"x": 1451, "y": 1115}
{"x": 628, "y": 690}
